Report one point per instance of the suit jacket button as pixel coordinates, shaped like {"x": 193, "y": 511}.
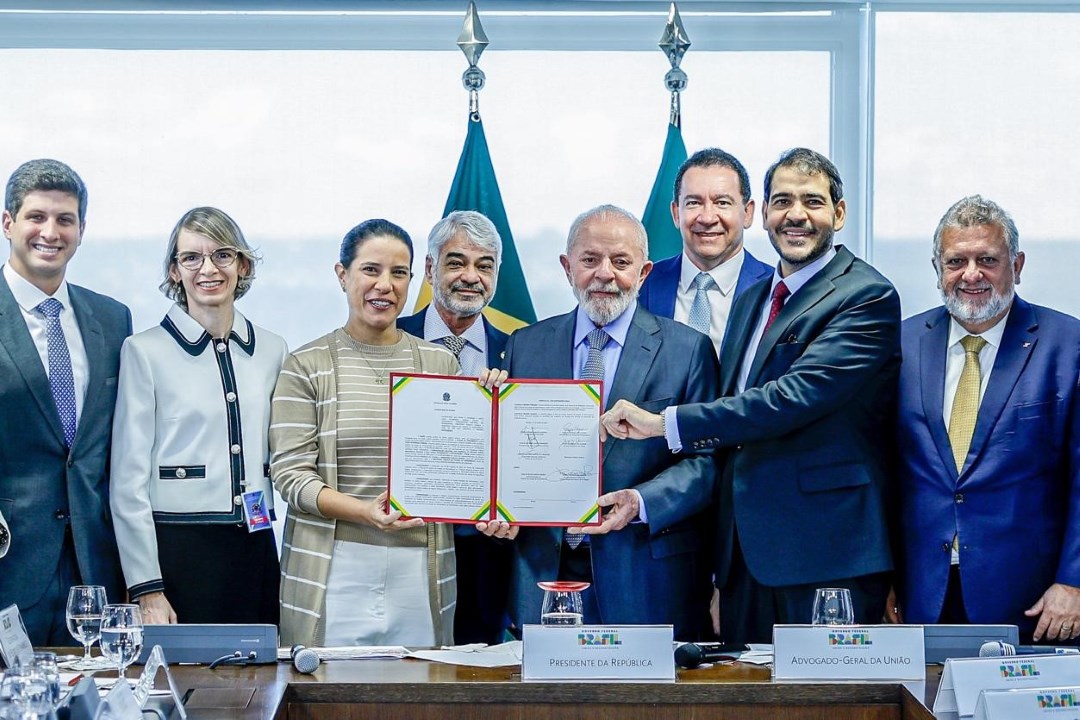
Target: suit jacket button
{"x": 946, "y": 546}
{"x": 235, "y": 449}
{"x": 237, "y": 500}
{"x": 70, "y": 463}
{"x": 959, "y": 498}
{"x": 181, "y": 473}
{"x": 59, "y": 515}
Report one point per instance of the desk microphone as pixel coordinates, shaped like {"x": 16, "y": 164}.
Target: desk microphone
{"x": 690, "y": 655}
{"x": 305, "y": 660}
{"x": 996, "y": 648}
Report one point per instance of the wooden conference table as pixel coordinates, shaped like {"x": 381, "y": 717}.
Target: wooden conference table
{"x": 399, "y": 689}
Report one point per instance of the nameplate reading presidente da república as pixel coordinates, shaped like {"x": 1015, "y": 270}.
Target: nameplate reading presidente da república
{"x": 600, "y": 653}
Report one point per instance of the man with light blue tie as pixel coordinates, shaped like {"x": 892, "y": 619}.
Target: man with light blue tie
{"x": 644, "y": 561}
{"x": 462, "y": 267}
{"x": 59, "y": 357}
{"x": 712, "y": 207}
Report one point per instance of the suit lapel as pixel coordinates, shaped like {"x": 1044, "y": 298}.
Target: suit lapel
{"x": 740, "y": 329}
{"x": 494, "y": 346}
{"x": 642, "y": 343}
{"x": 809, "y": 295}
{"x": 933, "y": 347}
{"x": 667, "y": 287}
{"x": 1017, "y": 343}
{"x": 748, "y": 275}
{"x": 94, "y": 343}
{"x": 16, "y": 341}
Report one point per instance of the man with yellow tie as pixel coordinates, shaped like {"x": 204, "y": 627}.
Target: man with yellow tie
{"x": 989, "y": 443}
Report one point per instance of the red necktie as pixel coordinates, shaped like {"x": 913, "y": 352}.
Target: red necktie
{"x": 779, "y": 295}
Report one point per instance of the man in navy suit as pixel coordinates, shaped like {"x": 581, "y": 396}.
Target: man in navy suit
{"x": 711, "y": 207}
{"x": 59, "y": 357}
{"x": 644, "y": 559}
{"x": 462, "y": 267}
{"x": 989, "y": 505}
{"x": 808, "y": 382}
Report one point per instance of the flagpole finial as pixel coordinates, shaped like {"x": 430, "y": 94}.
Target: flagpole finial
{"x": 675, "y": 42}
{"x": 472, "y": 42}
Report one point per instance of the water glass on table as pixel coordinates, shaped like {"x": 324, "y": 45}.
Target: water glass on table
{"x": 832, "y": 606}
{"x": 562, "y": 602}
{"x": 84, "y": 607}
{"x": 121, "y": 635}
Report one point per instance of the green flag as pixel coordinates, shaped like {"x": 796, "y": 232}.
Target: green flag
{"x": 475, "y": 188}
{"x": 664, "y": 237}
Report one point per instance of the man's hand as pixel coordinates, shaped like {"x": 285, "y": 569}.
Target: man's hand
{"x": 626, "y": 421}
{"x": 624, "y": 509}
{"x": 892, "y": 608}
{"x": 492, "y": 377}
{"x": 498, "y": 529}
{"x": 156, "y": 609}
{"x": 1059, "y": 613}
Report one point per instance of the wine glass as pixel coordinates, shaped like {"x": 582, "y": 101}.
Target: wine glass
{"x": 562, "y": 602}
{"x": 121, "y": 635}
{"x": 832, "y": 606}
{"x": 84, "y": 606}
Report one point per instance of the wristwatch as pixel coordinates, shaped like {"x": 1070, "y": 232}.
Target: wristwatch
{"x": 4, "y": 537}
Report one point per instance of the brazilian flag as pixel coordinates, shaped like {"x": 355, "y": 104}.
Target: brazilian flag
{"x": 664, "y": 237}
{"x": 475, "y": 188}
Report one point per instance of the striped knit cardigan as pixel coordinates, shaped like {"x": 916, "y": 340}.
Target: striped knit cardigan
{"x": 303, "y": 443}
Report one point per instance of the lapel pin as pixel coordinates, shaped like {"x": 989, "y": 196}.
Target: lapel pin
{"x": 1026, "y": 344}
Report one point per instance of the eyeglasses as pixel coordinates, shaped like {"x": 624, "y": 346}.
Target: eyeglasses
{"x": 222, "y": 258}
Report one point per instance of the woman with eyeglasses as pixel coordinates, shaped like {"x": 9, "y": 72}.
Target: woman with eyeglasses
{"x": 190, "y": 489}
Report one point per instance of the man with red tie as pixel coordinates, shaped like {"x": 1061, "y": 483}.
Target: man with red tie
{"x": 808, "y": 380}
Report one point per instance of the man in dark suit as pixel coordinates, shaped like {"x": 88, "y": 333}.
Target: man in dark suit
{"x": 59, "y": 356}
{"x": 462, "y": 267}
{"x": 989, "y": 442}
{"x": 711, "y": 207}
{"x": 808, "y": 381}
{"x": 643, "y": 560}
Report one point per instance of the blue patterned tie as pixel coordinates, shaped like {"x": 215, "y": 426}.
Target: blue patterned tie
{"x": 61, "y": 379}
{"x": 593, "y": 370}
{"x": 700, "y": 316}
{"x": 594, "y": 363}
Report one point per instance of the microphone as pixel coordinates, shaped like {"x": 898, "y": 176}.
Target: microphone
{"x": 996, "y": 648}
{"x": 690, "y": 655}
{"x": 305, "y": 660}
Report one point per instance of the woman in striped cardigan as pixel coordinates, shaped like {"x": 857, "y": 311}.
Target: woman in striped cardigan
{"x": 351, "y": 573}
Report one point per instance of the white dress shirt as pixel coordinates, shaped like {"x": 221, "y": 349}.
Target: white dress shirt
{"x": 721, "y": 295}
{"x": 954, "y": 360}
{"x": 473, "y": 358}
{"x": 29, "y": 296}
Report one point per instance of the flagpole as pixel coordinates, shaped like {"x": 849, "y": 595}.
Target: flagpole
{"x": 675, "y": 42}
{"x": 472, "y": 42}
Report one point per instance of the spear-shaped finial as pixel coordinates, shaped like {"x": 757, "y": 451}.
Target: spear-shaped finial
{"x": 675, "y": 42}
{"x": 472, "y": 42}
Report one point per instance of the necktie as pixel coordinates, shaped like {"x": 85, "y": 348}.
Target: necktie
{"x": 594, "y": 363}
{"x": 965, "y": 407}
{"x": 61, "y": 378}
{"x": 700, "y": 316}
{"x": 593, "y": 370}
{"x": 455, "y": 344}
{"x": 779, "y": 295}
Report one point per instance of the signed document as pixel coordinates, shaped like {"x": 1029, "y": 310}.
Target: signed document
{"x": 527, "y": 453}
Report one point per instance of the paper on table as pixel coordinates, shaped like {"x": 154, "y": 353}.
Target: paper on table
{"x": 502, "y": 655}
{"x": 758, "y": 654}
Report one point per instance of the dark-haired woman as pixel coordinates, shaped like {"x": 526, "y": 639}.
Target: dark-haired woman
{"x": 190, "y": 449}
{"x": 353, "y": 574}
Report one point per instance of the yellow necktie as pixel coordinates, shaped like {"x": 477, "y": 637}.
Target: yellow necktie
{"x": 965, "y": 407}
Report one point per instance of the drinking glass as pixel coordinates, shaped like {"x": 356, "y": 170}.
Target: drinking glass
{"x": 121, "y": 635}
{"x": 562, "y": 603}
{"x": 28, "y": 689}
{"x": 84, "y": 606}
{"x": 45, "y": 662}
{"x": 832, "y": 606}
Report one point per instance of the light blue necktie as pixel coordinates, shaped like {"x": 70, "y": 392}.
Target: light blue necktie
{"x": 61, "y": 378}
{"x": 593, "y": 370}
{"x": 700, "y": 316}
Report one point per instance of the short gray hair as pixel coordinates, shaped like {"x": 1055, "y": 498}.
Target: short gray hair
{"x": 975, "y": 210}
{"x": 607, "y": 213}
{"x": 478, "y": 229}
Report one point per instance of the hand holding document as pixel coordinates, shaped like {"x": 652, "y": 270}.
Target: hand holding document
{"x": 527, "y": 452}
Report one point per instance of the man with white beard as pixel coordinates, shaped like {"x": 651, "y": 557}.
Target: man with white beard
{"x": 644, "y": 561}
{"x": 989, "y": 443}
